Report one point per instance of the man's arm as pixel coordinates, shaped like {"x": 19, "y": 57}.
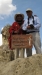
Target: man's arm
{"x": 37, "y": 24}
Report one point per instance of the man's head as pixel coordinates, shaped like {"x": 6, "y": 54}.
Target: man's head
{"x": 19, "y": 17}
{"x": 29, "y": 12}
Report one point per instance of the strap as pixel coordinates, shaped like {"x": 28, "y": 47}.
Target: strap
{"x": 33, "y": 20}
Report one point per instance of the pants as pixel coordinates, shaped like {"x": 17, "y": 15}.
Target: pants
{"x": 37, "y": 42}
{"x": 22, "y": 53}
{"x": 19, "y": 53}
{"x": 28, "y": 52}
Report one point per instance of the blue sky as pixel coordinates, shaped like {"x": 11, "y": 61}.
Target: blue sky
{"x": 8, "y": 8}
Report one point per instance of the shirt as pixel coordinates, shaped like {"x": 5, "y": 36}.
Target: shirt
{"x": 36, "y": 24}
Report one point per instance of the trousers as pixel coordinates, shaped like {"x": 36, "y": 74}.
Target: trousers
{"x": 36, "y": 44}
{"x": 19, "y": 53}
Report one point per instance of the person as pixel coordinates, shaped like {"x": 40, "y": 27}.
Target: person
{"x": 16, "y": 28}
{"x": 32, "y": 26}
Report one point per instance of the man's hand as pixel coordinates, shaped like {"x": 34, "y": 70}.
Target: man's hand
{"x": 32, "y": 26}
{"x": 28, "y": 27}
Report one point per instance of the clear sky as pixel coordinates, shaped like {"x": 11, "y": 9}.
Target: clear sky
{"x": 8, "y": 8}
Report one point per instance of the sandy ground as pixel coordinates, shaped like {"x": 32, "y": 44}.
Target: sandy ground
{"x": 22, "y": 66}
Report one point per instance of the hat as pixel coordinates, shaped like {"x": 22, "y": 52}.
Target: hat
{"x": 29, "y": 10}
{"x": 19, "y": 14}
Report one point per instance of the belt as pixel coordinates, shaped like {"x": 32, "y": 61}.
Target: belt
{"x": 31, "y": 32}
